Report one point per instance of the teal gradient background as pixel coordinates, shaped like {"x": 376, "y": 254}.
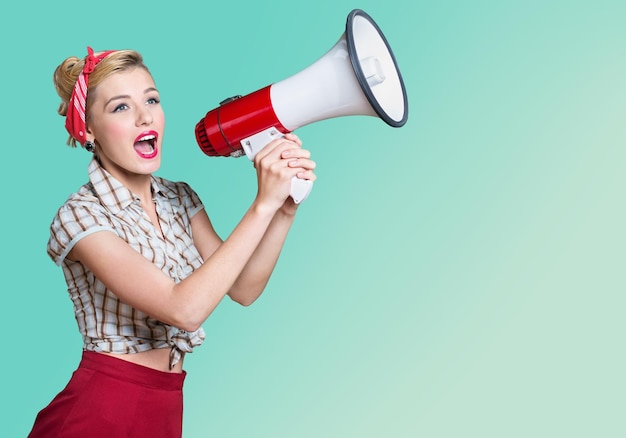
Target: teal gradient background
{"x": 457, "y": 277}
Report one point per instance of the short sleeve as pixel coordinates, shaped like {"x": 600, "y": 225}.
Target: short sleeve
{"x": 73, "y": 221}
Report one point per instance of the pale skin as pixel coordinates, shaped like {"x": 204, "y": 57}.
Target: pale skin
{"x": 126, "y": 105}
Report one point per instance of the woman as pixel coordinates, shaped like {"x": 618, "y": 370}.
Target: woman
{"x": 143, "y": 264}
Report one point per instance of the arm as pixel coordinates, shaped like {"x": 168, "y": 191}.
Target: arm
{"x": 256, "y": 273}
{"x": 187, "y": 304}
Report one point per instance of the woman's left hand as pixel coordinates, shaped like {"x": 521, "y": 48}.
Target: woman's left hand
{"x": 307, "y": 167}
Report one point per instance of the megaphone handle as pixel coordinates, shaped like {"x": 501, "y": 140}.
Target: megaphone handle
{"x": 300, "y": 189}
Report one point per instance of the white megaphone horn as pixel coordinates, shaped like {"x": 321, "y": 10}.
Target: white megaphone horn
{"x": 357, "y": 76}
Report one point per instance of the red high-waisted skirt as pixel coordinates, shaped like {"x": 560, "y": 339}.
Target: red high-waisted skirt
{"x": 109, "y": 397}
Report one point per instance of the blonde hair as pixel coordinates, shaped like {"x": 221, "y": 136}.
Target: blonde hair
{"x": 66, "y": 75}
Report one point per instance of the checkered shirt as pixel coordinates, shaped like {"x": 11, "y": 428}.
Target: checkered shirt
{"x": 106, "y": 323}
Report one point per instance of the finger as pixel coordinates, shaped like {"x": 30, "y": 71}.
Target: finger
{"x": 293, "y": 137}
{"x": 307, "y": 174}
{"x": 288, "y": 144}
{"x": 296, "y": 153}
{"x": 274, "y": 149}
{"x": 303, "y": 163}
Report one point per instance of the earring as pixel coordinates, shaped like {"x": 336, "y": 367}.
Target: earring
{"x": 90, "y": 146}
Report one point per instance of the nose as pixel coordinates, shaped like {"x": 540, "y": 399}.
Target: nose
{"x": 144, "y": 116}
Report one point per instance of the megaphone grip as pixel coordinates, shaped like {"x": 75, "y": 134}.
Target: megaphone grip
{"x": 300, "y": 189}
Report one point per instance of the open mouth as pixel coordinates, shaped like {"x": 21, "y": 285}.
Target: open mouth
{"x": 145, "y": 145}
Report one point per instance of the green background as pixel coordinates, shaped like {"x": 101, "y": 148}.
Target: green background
{"x": 457, "y": 277}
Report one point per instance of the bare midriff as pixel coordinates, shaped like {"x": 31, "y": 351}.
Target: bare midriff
{"x": 158, "y": 359}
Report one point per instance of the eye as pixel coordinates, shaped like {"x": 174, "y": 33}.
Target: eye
{"x": 153, "y": 101}
{"x": 120, "y": 107}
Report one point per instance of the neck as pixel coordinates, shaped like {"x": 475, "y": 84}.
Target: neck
{"x": 139, "y": 184}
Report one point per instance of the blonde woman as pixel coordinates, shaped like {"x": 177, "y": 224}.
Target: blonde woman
{"x": 143, "y": 264}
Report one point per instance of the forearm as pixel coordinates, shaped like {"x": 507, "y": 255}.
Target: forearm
{"x": 202, "y": 291}
{"x": 242, "y": 264}
{"x": 256, "y": 273}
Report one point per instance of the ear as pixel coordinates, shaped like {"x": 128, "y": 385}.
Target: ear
{"x": 88, "y": 133}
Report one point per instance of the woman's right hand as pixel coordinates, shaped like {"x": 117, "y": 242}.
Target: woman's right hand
{"x": 276, "y": 164}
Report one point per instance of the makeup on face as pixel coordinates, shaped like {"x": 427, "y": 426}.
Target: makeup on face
{"x": 146, "y": 144}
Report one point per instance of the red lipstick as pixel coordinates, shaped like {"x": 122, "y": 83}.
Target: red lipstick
{"x": 146, "y": 144}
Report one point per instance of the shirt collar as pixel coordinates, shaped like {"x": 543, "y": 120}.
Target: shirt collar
{"x": 113, "y": 194}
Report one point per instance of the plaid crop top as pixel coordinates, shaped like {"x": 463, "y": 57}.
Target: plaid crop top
{"x": 103, "y": 204}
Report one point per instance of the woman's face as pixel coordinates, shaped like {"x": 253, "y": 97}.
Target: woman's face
{"x": 126, "y": 122}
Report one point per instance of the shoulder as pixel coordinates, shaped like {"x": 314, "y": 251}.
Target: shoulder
{"x": 81, "y": 214}
{"x": 81, "y": 207}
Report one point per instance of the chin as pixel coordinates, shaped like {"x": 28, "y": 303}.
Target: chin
{"x": 147, "y": 167}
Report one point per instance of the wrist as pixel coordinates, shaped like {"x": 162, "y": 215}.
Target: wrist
{"x": 288, "y": 209}
{"x": 263, "y": 209}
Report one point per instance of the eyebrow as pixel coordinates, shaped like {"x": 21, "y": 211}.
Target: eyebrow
{"x": 126, "y": 96}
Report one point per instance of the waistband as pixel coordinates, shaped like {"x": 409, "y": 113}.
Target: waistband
{"x": 132, "y": 372}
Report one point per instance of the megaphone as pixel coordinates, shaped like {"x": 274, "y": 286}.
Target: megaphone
{"x": 359, "y": 75}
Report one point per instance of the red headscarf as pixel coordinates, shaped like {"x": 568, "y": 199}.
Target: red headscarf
{"x": 75, "y": 118}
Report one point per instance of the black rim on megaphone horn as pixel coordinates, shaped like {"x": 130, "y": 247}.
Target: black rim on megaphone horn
{"x": 356, "y": 65}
